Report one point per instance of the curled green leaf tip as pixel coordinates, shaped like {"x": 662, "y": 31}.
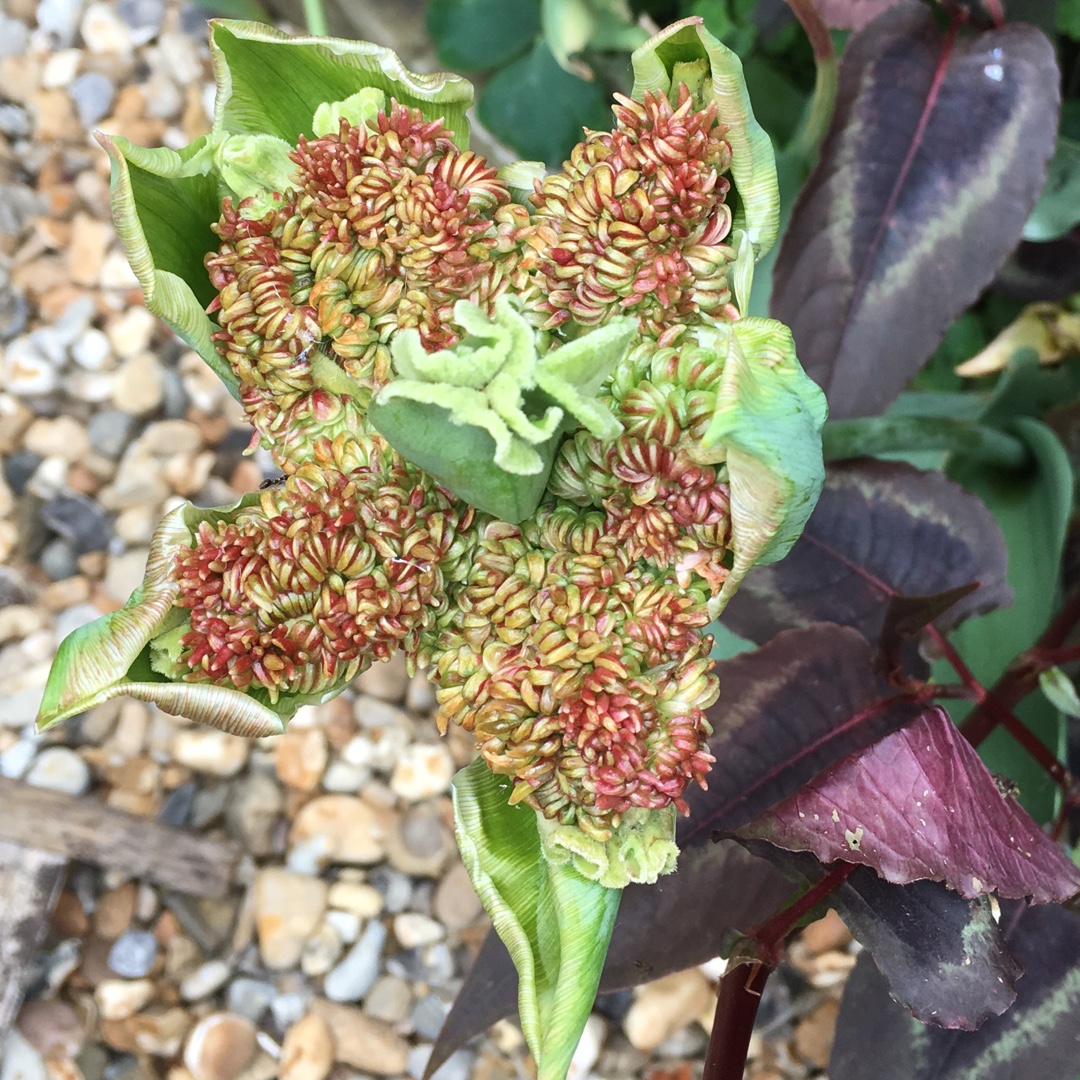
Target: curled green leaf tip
{"x": 641, "y": 849}
{"x": 359, "y": 109}
{"x": 255, "y": 166}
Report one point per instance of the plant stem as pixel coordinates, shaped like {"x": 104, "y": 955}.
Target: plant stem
{"x": 826, "y": 79}
{"x": 315, "y": 17}
{"x": 736, "y": 1010}
{"x": 881, "y": 435}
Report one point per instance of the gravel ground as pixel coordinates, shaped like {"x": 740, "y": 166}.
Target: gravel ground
{"x": 353, "y": 922}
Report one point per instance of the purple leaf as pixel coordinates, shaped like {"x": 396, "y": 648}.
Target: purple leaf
{"x": 880, "y": 530}
{"x": 919, "y": 804}
{"x": 850, "y": 14}
{"x": 906, "y": 616}
{"x": 937, "y": 152}
{"x": 1039, "y": 1037}
{"x": 786, "y": 711}
{"x": 718, "y": 889}
{"x": 942, "y": 955}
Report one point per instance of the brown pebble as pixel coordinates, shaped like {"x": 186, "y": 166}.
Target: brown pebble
{"x": 308, "y": 1050}
{"x": 52, "y": 1028}
{"x": 828, "y": 932}
{"x": 220, "y": 1047}
{"x": 361, "y": 1041}
{"x": 115, "y": 910}
{"x": 301, "y": 757}
{"x": 68, "y": 918}
{"x": 814, "y": 1034}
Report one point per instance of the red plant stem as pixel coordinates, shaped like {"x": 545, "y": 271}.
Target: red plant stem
{"x": 736, "y": 1010}
{"x": 967, "y": 676}
{"x": 1048, "y": 658}
{"x": 996, "y": 12}
{"x": 740, "y": 989}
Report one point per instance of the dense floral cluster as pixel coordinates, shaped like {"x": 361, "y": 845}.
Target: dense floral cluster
{"x": 299, "y": 593}
{"x": 636, "y": 222}
{"x": 572, "y": 645}
{"x": 580, "y": 668}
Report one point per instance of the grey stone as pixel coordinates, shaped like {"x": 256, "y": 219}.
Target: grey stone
{"x": 428, "y": 1015}
{"x": 354, "y": 976}
{"x": 174, "y": 398}
{"x": 59, "y": 560}
{"x": 458, "y": 1066}
{"x": 14, "y": 313}
{"x": 176, "y": 809}
{"x": 133, "y": 954}
{"x": 253, "y": 812}
{"x": 209, "y": 805}
{"x": 19, "y": 205}
{"x": 14, "y": 35}
{"x": 93, "y": 95}
{"x": 80, "y": 520}
{"x": 14, "y": 121}
{"x": 70, "y": 619}
{"x": 390, "y": 999}
{"x": 250, "y": 997}
{"x": 19, "y": 466}
{"x": 60, "y": 19}
{"x": 394, "y": 886}
{"x": 110, "y": 431}
{"x": 145, "y": 17}
{"x": 433, "y": 964}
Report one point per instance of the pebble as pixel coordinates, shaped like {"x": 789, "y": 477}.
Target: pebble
{"x": 342, "y": 829}
{"x": 300, "y": 758}
{"x": 204, "y": 980}
{"x": 386, "y": 680}
{"x": 341, "y": 778}
{"x": 412, "y": 930}
{"x": 288, "y": 908}
{"x": 109, "y": 431}
{"x": 25, "y": 370}
{"x": 356, "y": 898}
{"x": 588, "y": 1048}
{"x": 20, "y": 1061}
{"x": 253, "y": 811}
{"x": 456, "y": 904}
{"x": 362, "y": 1041}
{"x": 79, "y": 520}
{"x": 133, "y": 954}
{"x": 60, "y": 19}
{"x": 145, "y": 17}
{"x": 321, "y": 951}
{"x": 345, "y": 923}
{"x": 58, "y": 559}
{"x": 125, "y": 573}
{"x": 307, "y": 1053}
{"x": 209, "y": 750}
{"x": 115, "y": 910}
{"x": 422, "y": 844}
{"x": 250, "y": 997}
{"x": 139, "y": 386}
{"x": 53, "y": 1028}
{"x": 14, "y": 36}
{"x": 93, "y": 95}
{"x": 15, "y": 760}
{"x": 433, "y": 964}
{"x": 428, "y": 1015}
{"x": 423, "y": 771}
{"x": 663, "y": 1007}
{"x": 389, "y": 999}
{"x": 61, "y": 436}
{"x": 91, "y": 351}
{"x": 59, "y": 769}
{"x": 220, "y": 1047}
{"x": 103, "y": 31}
{"x": 19, "y": 466}
{"x": 394, "y": 887}
{"x": 117, "y": 999}
{"x": 357, "y": 972}
{"x": 459, "y": 1066}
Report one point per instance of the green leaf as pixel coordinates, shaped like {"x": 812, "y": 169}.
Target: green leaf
{"x": 539, "y": 109}
{"x": 163, "y": 204}
{"x": 555, "y": 923}
{"x": 471, "y": 35}
{"x": 687, "y": 52}
{"x": 1058, "y": 209}
{"x": 270, "y": 83}
{"x": 487, "y": 414}
{"x": 1033, "y": 507}
{"x": 768, "y": 418}
{"x": 571, "y": 26}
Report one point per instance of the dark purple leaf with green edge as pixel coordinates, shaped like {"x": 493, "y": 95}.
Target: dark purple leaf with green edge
{"x": 906, "y": 616}
{"x": 1049, "y": 271}
{"x": 736, "y": 889}
{"x": 919, "y": 804}
{"x": 1039, "y": 1036}
{"x": 942, "y": 955}
{"x": 787, "y": 711}
{"x": 880, "y": 529}
{"x": 936, "y": 154}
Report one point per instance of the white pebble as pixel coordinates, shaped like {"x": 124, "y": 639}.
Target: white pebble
{"x": 59, "y": 769}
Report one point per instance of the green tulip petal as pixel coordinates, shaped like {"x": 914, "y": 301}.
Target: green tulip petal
{"x": 670, "y": 57}
{"x": 555, "y": 923}
{"x": 768, "y": 417}
{"x": 270, "y": 83}
{"x": 163, "y": 203}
